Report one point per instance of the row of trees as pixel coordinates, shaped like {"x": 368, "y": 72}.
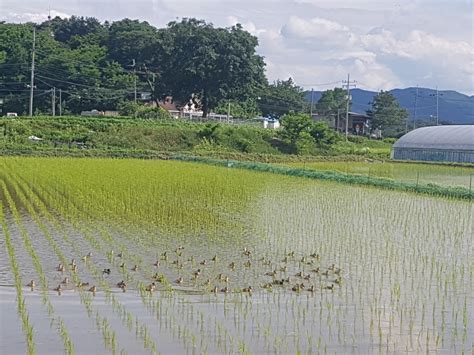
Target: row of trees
{"x": 96, "y": 66}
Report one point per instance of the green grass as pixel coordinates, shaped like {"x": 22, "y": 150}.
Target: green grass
{"x": 402, "y": 172}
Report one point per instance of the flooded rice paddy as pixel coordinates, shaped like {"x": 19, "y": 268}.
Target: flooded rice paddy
{"x": 402, "y": 172}
{"x": 133, "y": 257}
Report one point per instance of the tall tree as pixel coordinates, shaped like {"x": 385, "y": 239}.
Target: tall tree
{"x": 282, "y": 97}
{"x": 331, "y": 101}
{"x": 208, "y": 65}
{"x": 386, "y": 112}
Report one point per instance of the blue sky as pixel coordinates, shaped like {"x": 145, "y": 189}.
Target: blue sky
{"x": 383, "y": 44}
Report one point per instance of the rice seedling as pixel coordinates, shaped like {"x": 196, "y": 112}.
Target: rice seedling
{"x": 372, "y": 270}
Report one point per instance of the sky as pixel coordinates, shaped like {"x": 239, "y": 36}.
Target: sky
{"x": 382, "y": 44}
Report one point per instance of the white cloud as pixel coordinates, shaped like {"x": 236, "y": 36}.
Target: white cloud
{"x": 34, "y": 16}
{"x": 383, "y": 44}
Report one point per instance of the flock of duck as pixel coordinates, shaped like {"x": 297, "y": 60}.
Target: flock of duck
{"x": 276, "y": 274}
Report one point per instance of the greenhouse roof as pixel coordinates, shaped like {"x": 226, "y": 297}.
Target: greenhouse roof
{"x": 439, "y": 137}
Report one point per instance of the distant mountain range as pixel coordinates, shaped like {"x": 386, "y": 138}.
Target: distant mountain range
{"x": 454, "y": 107}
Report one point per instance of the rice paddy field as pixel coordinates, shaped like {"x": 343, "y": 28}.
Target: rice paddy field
{"x": 402, "y": 172}
{"x": 129, "y": 256}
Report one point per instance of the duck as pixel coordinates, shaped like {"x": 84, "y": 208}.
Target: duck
{"x": 179, "y": 280}
{"x": 314, "y": 256}
{"x": 204, "y": 262}
{"x": 296, "y": 288}
{"x": 215, "y": 289}
{"x": 278, "y": 282}
{"x": 89, "y": 254}
{"x": 232, "y": 266}
{"x": 303, "y": 259}
{"x": 93, "y": 289}
{"x": 106, "y": 271}
{"x": 214, "y": 259}
{"x": 299, "y": 274}
{"x": 164, "y": 256}
{"x": 73, "y": 262}
{"x": 158, "y": 278}
{"x": 60, "y": 267}
{"x": 122, "y": 284}
{"x": 248, "y": 263}
{"x": 225, "y": 290}
{"x": 329, "y": 287}
{"x": 207, "y": 283}
{"x": 315, "y": 270}
{"x": 59, "y": 288}
{"x": 307, "y": 277}
{"x": 74, "y": 268}
{"x": 268, "y": 286}
{"x": 135, "y": 268}
{"x": 283, "y": 269}
{"x": 291, "y": 254}
{"x": 156, "y": 263}
{"x": 247, "y": 289}
{"x": 311, "y": 288}
{"x": 65, "y": 281}
{"x": 151, "y": 287}
{"x": 197, "y": 273}
{"x": 246, "y": 252}
{"x": 120, "y": 255}
{"x": 32, "y": 284}
{"x": 82, "y": 284}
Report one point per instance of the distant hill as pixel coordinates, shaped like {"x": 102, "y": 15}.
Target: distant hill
{"x": 454, "y": 107}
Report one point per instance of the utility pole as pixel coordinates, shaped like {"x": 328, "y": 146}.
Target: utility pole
{"x": 348, "y": 85}
{"x": 437, "y": 106}
{"x": 312, "y": 100}
{"x": 32, "y": 81}
{"x": 60, "y": 103}
{"x": 135, "y": 80}
{"x": 228, "y": 111}
{"x": 53, "y": 101}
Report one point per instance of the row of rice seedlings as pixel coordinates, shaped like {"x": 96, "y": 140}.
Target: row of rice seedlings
{"x": 118, "y": 308}
{"x": 127, "y": 198}
{"x": 399, "y": 267}
{"x": 68, "y": 347}
{"x": 109, "y": 335}
{"x": 403, "y": 172}
{"x": 109, "y": 239}
{"x": 102, "y": 323}
{"x": 413, "y": 262}
{"x": 22, "y": 311}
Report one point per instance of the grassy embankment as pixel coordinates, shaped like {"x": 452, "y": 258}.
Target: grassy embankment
{"x": 126, "y": 137}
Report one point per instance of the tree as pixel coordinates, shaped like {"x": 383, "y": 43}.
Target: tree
{"x": 242, "y": 109}
{"x": 208, "y": 65}
{"x": 282, "y": 97}
{"x": 386, "y": 113}
{"x": 331, "y": 101}
{"x": 296, "y": 132}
